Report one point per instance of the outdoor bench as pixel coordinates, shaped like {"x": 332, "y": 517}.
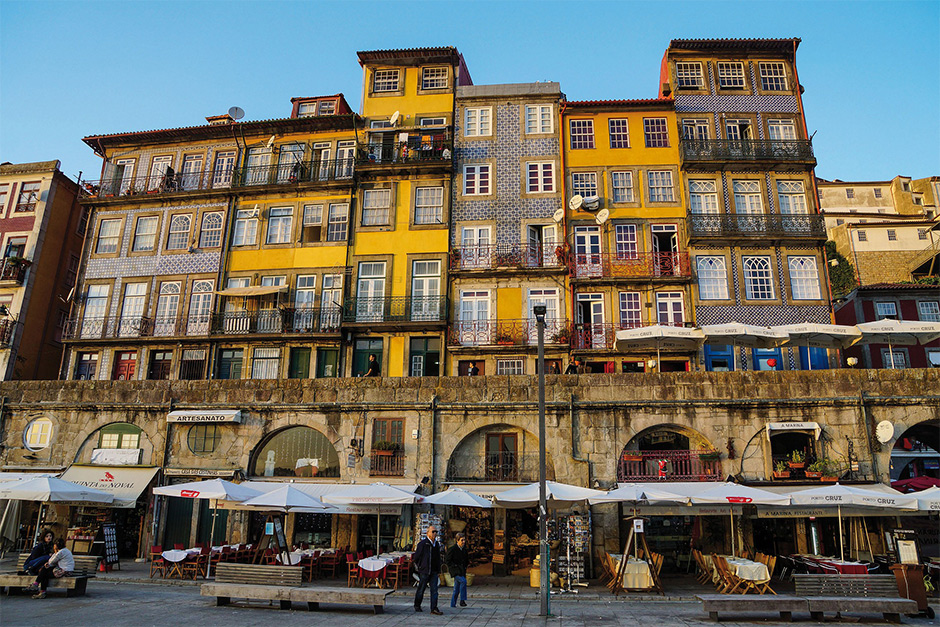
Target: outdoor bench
{"x": 253, "y": 581}
{"x": 786, "y": 605}
{"x": 74, "y": 584}
{"x": 314, "y": 595}
{"x": 853, "y": 593}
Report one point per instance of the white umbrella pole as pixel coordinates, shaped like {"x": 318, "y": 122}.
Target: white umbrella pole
{"x": 659, "y": 362}
{"x": 734, "y": 357}
{"x": 733, "y": 554}
{"x": 38, "y": 520}
{"x": 841, "y": 548}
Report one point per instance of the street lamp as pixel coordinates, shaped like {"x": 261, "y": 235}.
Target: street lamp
{"x": 545, "y": 557}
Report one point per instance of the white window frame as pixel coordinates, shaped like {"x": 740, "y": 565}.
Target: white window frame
{"x": 312, "y": 216}
{"x": 429, "y": 205}
{"x": 712, "y": 271}
{"x": 886, "y": 309}
{"x": 670, "y": 309}
{"x": 804, "y": 278}
{"x": 109, "y": 237}
{"x": 376, "y": 207}
{"x": 326, "y": 107}
{"x": 928, "y": 310}
{"x": 145, "y": 241}
{"x": 435, "y": 77}
{"x": 626, "y": 241}
{"x": 581, "y": 134}
{"x": 773, "y": 76}
{"x": 544, "y": 177}
{"x": 510, "y": 366}
{"x": 386, "y": 81}
{"x": 660, "y": 186}
{"x": 539, "y": 119}
{"x": 656, "y": 132}
{"x": 703, "y": 197}
{"x": 695, "y": 129}
{"x": 245, "y": 232}
{"x": 631, "y": 310}
{"x": 177, "y": 237}
{"x": 758, "y": 278}
{"x": 748, "y": 199}
{"x": 478, "y": 122}
{"x": 430, "y": 122}
{"x": 689, "y": 75}
{"x": 338, "y": 226}
{"x": 731, "y": 75}
{"x": 791, "y": 197}
{"x": 621, "y": 186}
{"x": 280, "y": 225}
{"x": 477, "y": 179}
{"x": 894, "y": 358}
{"x": 584, "y": 183}
{"x": 210, "y": 234}
{"x": 618, "y": 130}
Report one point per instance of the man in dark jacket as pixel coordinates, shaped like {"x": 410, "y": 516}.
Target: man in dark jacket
{"x": 457, "y": 561}
{"x": 427, "y": 562}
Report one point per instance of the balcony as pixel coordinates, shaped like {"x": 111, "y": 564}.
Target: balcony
{"x": 526, "y": 256}
{"x": 602, "y": 336}
{"x": 497, "y": 467}
{"x": 13, "y": 271}
{"x": 130, "y": 327}
{"x": 277, "y": 321}
{"x": 316, "y": 171}
{"x": 757, "y": 226}
{"x": 170, "y": 182}
{"x": 7, "y": 332}
{"x": 631, "y": 266}
{"x": 639, "y": 466}
{"x": 396, "y": 309}
{"x": 404, "y": 148}
{"x": 387, "y": 465}
{"x": 507, "y": 332}
{"x": 732, "y": 154}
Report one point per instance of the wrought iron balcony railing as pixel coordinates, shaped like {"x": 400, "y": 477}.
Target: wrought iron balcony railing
{"x": 631, "y": 265}
{"x": 277, "y": 321}
{"x": 7, "y": 332}
{"x": 521, "y": 255}
{"x": 170, "y": 182}
{"x": 718, "y": 151}
{"x": 396, "y": 309}
{"x": 116, "y": 327}
{"x": 603, "y": 335}
{"x": 14, "y": 270}
{"x": 400, "y": 147}
{"x": 387, "y": 465}
{"x": 772, "y": 226}
{"x": 679, "y": 466}
{"x": 316, "y": 171}
{"x": 497, "y": 467}
{"x": 507, "y": 332}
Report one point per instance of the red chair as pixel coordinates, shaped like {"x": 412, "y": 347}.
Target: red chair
{"x": 360, "y": 555}
{"x": 355, "y": 574}
{"x": 157, "y": 563}
{"x": 268, "y": 558}
{"x": 178, "y": 547}
{"x": 328, "y": 563}
{"x": 369, "y": 553}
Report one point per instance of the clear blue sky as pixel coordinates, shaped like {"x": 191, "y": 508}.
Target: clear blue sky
{"x": 70, "y": 69}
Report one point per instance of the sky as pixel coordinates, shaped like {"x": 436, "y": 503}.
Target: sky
{"x": 68, "y": 69}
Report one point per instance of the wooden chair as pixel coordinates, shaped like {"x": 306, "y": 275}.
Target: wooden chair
{"x": 705, "y": 573}
{"x": 393, "y": 574}
{"x": 656, "y": 562}
{"x": 157, "y": 563}
{"x": 353, "y": 576}
{"x": 728, "y": 581}
{"x": 178, "y": 547}
{"x": 605, "y": 575}
{"x": 612, "y": 568}
{"x": 765, "y": 587}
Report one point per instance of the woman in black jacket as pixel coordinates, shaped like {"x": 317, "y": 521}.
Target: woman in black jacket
{"x": 40, "y": 553}
{"x": 458, "y": 559}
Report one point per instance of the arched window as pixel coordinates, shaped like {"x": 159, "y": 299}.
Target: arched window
{"x": 119, "y": 435}
{"x": 38, "y": 434}
{"x": 712, "y": 278}
{"x": 179, "y": 232}
{"x": 211, "y": 235}
{"x": 297, "y": 452}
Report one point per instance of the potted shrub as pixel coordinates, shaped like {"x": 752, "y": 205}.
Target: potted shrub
{"x": 560, "y": 336}
{"x": 781, "y": 470}
{"x": 830, "y": 471}
{"x": 18, "y": 262}
{"x": 384, "y": 448}
{"x": 815, "y": 470}
{"x": 504, "y": 338}
{"x": 631, "y": 456}
{"x": 797, "y": 460}
{"x": 710, "y": 456}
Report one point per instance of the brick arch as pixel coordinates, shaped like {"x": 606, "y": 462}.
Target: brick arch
{"x": 680, "y": 464}
{"x": 926, "y": 430}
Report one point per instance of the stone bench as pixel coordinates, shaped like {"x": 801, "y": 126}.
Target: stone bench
{"x": 253, "y": 582}
{"x": 74, "y": 585}
{"x": 786, "y": 605}
{"x": 853, "y": 593}
{"x": 313, "y": 596}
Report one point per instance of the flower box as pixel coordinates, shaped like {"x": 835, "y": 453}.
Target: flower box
{"x": 796, "y": 465}
{"x": 810, "y": 474}
{"x": 631, "y": 458}
{"x": 830, "y": 479}
{"x": 785, "y": 474}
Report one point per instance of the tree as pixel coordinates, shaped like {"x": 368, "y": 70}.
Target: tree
{"x": 842, "y": 274}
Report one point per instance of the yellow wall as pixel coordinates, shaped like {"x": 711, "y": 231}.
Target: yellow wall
{"x": 437, "y": 102}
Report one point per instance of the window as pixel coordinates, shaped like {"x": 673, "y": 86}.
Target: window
{"x": 660, "y": 184}
{"x": 37, "y": 434}
{"x": 385, "y": 80}
{"x": 109, "y": 233}
{"x": 792, "y": 198}
{"x": 388, "y": 430}
{"x": 476, "y": 180}
{"x": 280, "y": 225}
{"x": 619, "y": 133}
{"x": 621, "y": 184}
{"x": 336, "y": 229}
{"x": 160, "y": 362}
{"x": 71, "y": 272}
{"x": 694, "y": 128}
{"x": 167, "y": 307}
{"x": 478, "y": 122}
{"x": 230, "y": 363}
{"x": 582, "y": 134}
{"x": 630, "y": 312}
{"x": 862, "y": 236}
{"x": 877, "y": 192}
{"x": 892, "y": 235}
{"x": 730, "y": 75}
{"x": 656, "y": 132}
{"x": 264, "y": 362}
{"x": 758, "y": 280}
{"x": 375, "y": 206}
{"x": 625, "y": 237}
{"x": 541, "y": 177}
{"x": 434, "y": 78}
{"x": 922, "y": 234}
{"x": 584, "y": 183}
{"x": 4, "y": 192}
{"x": 313, "y": 223}
{"x": 211, "y": 233}
{"x": 224, "y": 166}
{"x": 779, "y": 130}
{"x": 747, "y": 197}
{"x": 538, "y": 119}
{"x": 894, "y": 358}
{"x": 16, "y": 247}
{"x": 773, "y": 77}
{"x": 124, "y": 436}
{"x": 132, "y": 309}
{"x": 29, "y": 196}
{"x": 96, "y": 305}
{"x": 804, "y": 278}
{"x": 737, "y": 130}
{"x": 179, "y": 232}
{"x": 200, "y": 307}
{"x": 928, "y": 311}
{"x": 145, "y": 235}
{"x": 510, "y": 366}
{"x": 370, "y": 292}
{"x": 306, "y": 109}
{"x": 689, "y": 75}
{"x": 849, "y": 193}
{"x": 886, "y": 309}
{"x": 432, "y": 122}
{"x": 905, "y": 186}
{"x": 703, "y": 196}
{"x": 327, "y": 107}
{"x": 203, "y": 438}
{"x": 331, "y": 297}
{"x": 712, "y": 278}
{"x": 670, "y": 309}
{"x": 246, "y": 228}
{"x": 429, "y": 205}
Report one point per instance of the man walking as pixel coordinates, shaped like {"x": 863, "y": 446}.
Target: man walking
{"x": 457, "y": 561}
{"x": 427, "y": 562}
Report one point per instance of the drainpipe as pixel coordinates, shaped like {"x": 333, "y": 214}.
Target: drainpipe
{"x": 434, "y": 443}
{"x": 564, "y": 223}
{"x": 157, "y": 510}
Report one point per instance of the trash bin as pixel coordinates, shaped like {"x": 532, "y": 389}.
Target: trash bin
{"x": 910, "y": 579}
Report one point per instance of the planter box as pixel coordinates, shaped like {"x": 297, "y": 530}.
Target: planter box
{"x": 830, "y": 479}
{"x": 796, "y": 465}
{"x": 782, "y": 475}
{"x": 813, "y": 475}
{"x": 383, "y": 453}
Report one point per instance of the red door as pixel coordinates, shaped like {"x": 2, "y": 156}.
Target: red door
{"x": 125, "y": 365}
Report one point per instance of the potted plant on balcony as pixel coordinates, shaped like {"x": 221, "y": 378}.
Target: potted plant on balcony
{"x": 797, "y": 460}
{"x": 815, "y": 470}
{"x": 503, "y": 338}
{"x": 709, "y": 456}
{"x": 561, "y": 336}
{"x": 781, "y": 470}
{"x": 631, "y": 456}
{"x": 561, "y": 255}
{"x": 384, "y": 448}
{"x": 830, "y": 471}
{"x": 18, "y": 262}
{"x": 455, "y": 258}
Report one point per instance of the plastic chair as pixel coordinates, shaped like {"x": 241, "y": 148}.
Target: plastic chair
{"x": 157, "y": 563}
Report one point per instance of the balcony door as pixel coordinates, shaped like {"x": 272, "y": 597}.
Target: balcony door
{"x": 345, "y": 154}
{"x": 475, "y": 247}
{"x": 132, "y": 309}
{"x": 590, "y": 312}
{"x": 256, "y": 166}
{"x": 670, "y": 309}
{"x": 587, "y": 251}
{"x": 121, "y": 178}
{"x": 474, "y": 327}
{"x": 370, "y": 292}
{"x": 290, "y": 163}
{"x": 666, "y": 249}
{"x": 222, "y": 172}
{"x": 553, "y": 322}
{"x": 168, "y": 303}
{"x": 305, "y": 298}
{"x": 191, "y": 175}
{"x": 269, "y": 315}
{"x": 502, "y": 463}
{"x": 426, "y": 290}
{"x": 781, "y": 130}
{"x": 323, "y": 165}
{"x": 200, "y": 308}
{"x": 542, "y": 243}
{"x": 158, "y": 170}
{"x": 235, "y": 318}
{"x": 331, "y": 299}
{"x": 96, "y": 304}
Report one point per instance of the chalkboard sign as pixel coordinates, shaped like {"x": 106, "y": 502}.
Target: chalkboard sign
{"x": 109, "y": 531}
{"x": 279, "y": 533}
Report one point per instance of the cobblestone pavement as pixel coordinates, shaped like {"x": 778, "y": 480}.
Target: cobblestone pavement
{"x": 119, "y": 604}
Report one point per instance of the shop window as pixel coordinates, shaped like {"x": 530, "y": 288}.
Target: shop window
{"x": 327, "y": 363}
{"x": 425, "y": 357}
{"x": 119, "y": 436}
{"x": 203, "y": 438}
{"x": 296, "y": 452}
{"x": 38, "y": 434}
{"x": 768, "y": 359}
{"x": 791, "y": 446}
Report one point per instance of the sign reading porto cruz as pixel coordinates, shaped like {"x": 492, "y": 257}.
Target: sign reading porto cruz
{"x": 205, "y": 415}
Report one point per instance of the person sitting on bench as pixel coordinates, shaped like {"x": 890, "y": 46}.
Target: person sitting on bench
{"x": 59, "y": 565}
{"x": 40, "y": 554}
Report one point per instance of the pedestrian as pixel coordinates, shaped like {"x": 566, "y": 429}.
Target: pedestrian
{"x": 554, "y": 369}
{"x": 473, "y": 370}
{"x": 573, "y": 367}
{"x": 374, "y": 369}
{"x": 457, "y": 561}
{"x": 40, "y": 554}
{"x": 61, "y": 564}
{"x": 427, "y": 563}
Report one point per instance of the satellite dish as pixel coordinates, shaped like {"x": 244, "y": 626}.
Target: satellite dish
{"x": 884, "y": 431}
{"x": 591, "y": 203}
{"x": 602, "y": 216}
{"x": 237, "y": 113}
{"x": 394, "y": 119}
{"x": 559, "y": 215}
{"x": 270, "y": 143}
{"x": 575, "y": 203}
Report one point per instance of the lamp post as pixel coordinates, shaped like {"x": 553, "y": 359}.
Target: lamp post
{"x": 544, "y": 559}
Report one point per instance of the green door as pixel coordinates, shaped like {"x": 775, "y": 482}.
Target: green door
{"x": 205, "y": 523}
{"x": 327, "y": 363}
{"x": 363, "y": 349}
{"x": 299, "y": 363}
{"x": 179, "y": 518}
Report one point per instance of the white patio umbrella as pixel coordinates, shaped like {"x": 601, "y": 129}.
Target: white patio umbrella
{"x": 288, "y": 499}
{"x": 458, "y": 497}
{"x": 736, "y": 494}
{"x": 49, "y": 490}
{"x": 898, "y": 332}
{"x": 928, "y": 500}
{"x": 740, "y": 334}
{"x": 374, "y": 494}
{"x": 557, "y": 495}
{"x": 659, "y": 336}
{"x": 636, "y": 493}
{"x": 838, "y": 495}
{"x": 832, "y": 336}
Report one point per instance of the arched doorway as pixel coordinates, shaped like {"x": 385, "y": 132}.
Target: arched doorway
{"x": 916, "y": 453}
{"x": 295, "y": 452}
{"x": 498, "y": 453}
{"x": 670, "y": 453}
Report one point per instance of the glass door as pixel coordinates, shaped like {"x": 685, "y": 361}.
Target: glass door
{"x": 370, "y": 293}
{"x": 474, "y": 326}
{"x": 502, "y": 462}
{"x": 475, "y": 247}
{"x": 587, "y": 251}
{"x": 426, "y": 290}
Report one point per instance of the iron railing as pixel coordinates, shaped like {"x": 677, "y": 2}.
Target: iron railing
{"x": 679, "y": 466}
{"x": 497, "y": 467}
{"x": 278, "y": 321}
{"x": 522, "y": 332}
{"x": 521, "y": 255}
{"x": 14, "y": 270}
{"x": 7, "y": 332}
{"x": 170, "y": 182}
{"x": 396, "y": 309}
{"x": 631, "y": 265}
{"x": 115, "y": 327}
{"x": 387, "y": 465}
{"x": 398, "y": 147}
{"x": 603, "y": 335}
{"x": 738, "y": 150}
{"x": 315, "y": 171}
{"x": 775, "y": 225}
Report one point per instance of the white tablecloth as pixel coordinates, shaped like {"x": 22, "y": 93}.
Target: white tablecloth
{"x": 175, "y": 555}
{"x": 294, "y": 559}
{"x": 749, "y": 570}
{"x": 636, "y": 575}
{"x": 375, "y": 563}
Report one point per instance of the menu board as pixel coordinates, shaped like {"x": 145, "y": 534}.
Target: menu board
{"x": 109, "y": 532}
{"x": 279, "y": 534}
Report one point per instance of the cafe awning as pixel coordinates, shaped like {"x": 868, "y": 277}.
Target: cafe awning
{"x": 799, "y": 427}
{"x": 124, "y": 483}
{"x": 252, "y": 290}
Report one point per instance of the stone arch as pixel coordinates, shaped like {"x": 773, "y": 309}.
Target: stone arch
{"x": 668, "y": 451}
{"x": 912, "y": 449}
{"x": 295, "y": 451}
{"x": 123, "y": 431}
{"x": 500, "y": 452}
